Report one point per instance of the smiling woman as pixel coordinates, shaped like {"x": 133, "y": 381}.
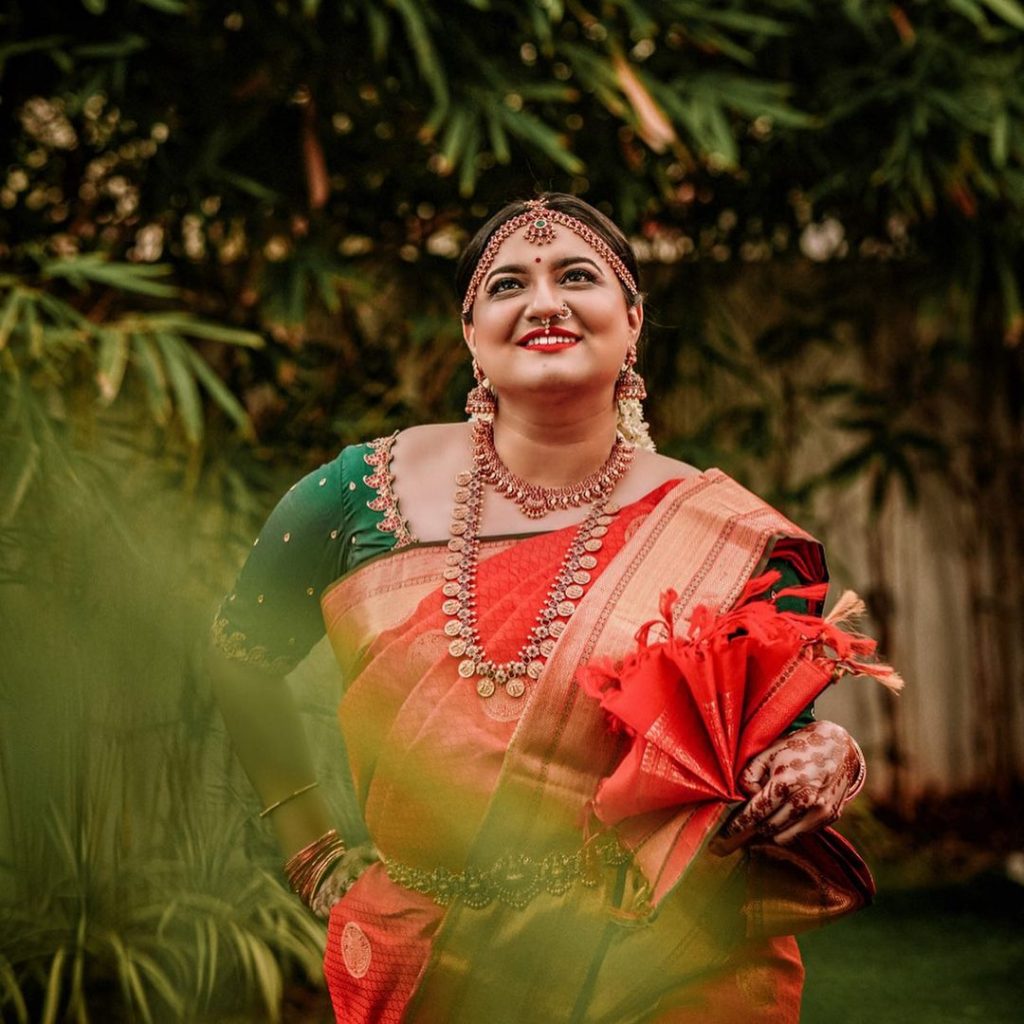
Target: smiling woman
{"x": 491, "y": 891}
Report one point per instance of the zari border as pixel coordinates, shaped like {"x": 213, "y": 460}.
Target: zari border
{"x": 380, "y": 480}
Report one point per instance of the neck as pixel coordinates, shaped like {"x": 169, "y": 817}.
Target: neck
{"x": 551, "y": 449}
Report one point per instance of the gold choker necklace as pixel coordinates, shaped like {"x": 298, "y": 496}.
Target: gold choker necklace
{"x": 533, "y": 500}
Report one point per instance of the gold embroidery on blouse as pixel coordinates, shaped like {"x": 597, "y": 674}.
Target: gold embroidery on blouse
{"x": 235, "y": 646}
{"x": 380, "y": 480}
{"x": 514, "y": 880}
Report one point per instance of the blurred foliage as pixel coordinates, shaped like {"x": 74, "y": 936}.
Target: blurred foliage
{"x": 227, "y": 236}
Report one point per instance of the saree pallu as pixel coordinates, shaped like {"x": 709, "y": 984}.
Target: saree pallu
{"x": 491, "y": 903}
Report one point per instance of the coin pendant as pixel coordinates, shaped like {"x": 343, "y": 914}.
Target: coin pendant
{"x": 598, "y": 531}
{"x": 458, "y": 528}
{"x": 462, "y": 479}
{"x": 467, "y": 667}
{"x": 452, "y": 628}
{"x": 452, "y": 560}
{"x": 515, "y": 687}
{"x": 450, "y": 589}
{"x": 581, "y": 577}
{"x": 565, "y": 608}
{"x": 534, "y": 669}
{"x": 589, "y": 545}
{"x": 485, "y": 687}
{"x": 556, "y": 628}
{"x": 574, "y": 590}
{"x": 547, "y": 647}
{"x": 450, "y": 607}
{"x": 460, "y": 512}
{"x": 605, "y": 520}
{"x": 457, "y": 648}
{"x": 586, "y": 561}
{"x": 611, "y": 508}
{"x": 453, "y": 572}
{"x": 461, "y": 496}
{"x": 457, "y": 544}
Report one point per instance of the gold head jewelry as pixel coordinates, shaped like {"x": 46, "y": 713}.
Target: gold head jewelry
{"x": 540, "y": 222}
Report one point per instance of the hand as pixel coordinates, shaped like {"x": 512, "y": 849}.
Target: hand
{"x": 342, "y": 876}
{"x": 799, "y": 784}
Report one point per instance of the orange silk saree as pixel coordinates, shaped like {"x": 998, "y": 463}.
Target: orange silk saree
{"x": 496, "y": 899}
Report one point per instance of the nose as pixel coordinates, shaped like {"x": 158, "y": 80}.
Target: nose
{"x": 545, "y": 304}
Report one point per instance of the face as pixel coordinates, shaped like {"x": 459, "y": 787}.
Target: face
{"x": 528, "y": 283}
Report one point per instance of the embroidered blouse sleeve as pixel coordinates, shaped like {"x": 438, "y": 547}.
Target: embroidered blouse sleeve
{"x": 271, "y": 618}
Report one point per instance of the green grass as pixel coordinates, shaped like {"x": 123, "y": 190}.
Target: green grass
{"x": 937, "y": 955}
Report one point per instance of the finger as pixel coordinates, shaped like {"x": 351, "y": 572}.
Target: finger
{"x": 743, "y": 826}
{"x": 778, "y": 822}
{"x": 809, "y": 822}
{"x": 756, "y": 774}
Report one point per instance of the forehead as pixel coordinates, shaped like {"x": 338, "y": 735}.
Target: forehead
{"x": 525, "y": 247}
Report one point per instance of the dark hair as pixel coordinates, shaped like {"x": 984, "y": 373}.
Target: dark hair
{"x": 564, "y": 203}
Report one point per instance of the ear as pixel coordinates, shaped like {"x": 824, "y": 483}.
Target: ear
{"x": 469, "y": 335}
{"x": 635, "y": 316}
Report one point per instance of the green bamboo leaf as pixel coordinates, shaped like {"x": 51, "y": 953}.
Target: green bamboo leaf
{"x": 454, "y": 136}
{"x": 530, "y": 129}
{"x": 11, "y": 989}
{"x": 128, "y": 277}
{"x": 51, "y": 1002}
{"x": 167, "y": 6}
{"x": 21, "y": 467}
{"x": 380, "y": 31}
{"x": 183, "y": 384}
{"x": 9, "y": 317}
{"x": 467, "y": 179}
{"x": 46, "y": 44}
{"x": 151, "y": 369}
{"x": 111, "y": 361}
{"x": 182, "y": 323}
{"x": 158, "y": 980}
{"x": 427, "y": 60}
{"x": 123, "y": 47}
{"x": 218, "y": 391}
{"x": 970, "y": 10}
{"x": 1000, "y": 139}
{"x": 499, "y": 139}
{"x": 1009, "y": 10}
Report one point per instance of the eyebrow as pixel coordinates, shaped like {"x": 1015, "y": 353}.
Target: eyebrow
{"x": 519, "y": 268}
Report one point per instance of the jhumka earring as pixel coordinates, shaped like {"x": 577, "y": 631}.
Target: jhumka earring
{"x": 481, "y": 402}
{"x": 630, "y": 385}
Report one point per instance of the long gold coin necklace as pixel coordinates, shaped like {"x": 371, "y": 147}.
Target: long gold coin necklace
{"x": 569, "y": 584}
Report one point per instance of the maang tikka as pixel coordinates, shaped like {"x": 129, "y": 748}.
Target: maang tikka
{"x": 481, "y": 402}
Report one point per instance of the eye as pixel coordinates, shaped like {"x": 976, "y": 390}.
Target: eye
{"x": 577, "y": 275}
{"x": 503, "y": 284}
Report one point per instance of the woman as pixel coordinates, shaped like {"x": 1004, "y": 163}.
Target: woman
{"x": 464, "y": 573}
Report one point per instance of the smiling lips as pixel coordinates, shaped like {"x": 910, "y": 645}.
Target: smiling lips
{"x": 549, "y": 339}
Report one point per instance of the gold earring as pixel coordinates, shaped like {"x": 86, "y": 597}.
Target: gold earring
{"x": 481, "y": 402}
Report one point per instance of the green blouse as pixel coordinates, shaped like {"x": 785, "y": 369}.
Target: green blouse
{"x": 330, "y": 522}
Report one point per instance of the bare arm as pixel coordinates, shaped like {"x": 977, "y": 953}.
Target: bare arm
{"x": 268, "y": 737}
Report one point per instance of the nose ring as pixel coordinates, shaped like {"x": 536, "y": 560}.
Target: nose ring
{"x": 564, "y": 312}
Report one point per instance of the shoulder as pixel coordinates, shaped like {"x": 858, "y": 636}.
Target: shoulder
{"x": 431, "y": 451}
{"x": 650, "y": 471}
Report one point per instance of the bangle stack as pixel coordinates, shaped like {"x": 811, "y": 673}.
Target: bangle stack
{"x": 307, "y": 868}
{"x": 859, "y": 775}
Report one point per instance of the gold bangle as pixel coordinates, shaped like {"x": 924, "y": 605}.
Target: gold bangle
{"x": 291, "y": 796}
